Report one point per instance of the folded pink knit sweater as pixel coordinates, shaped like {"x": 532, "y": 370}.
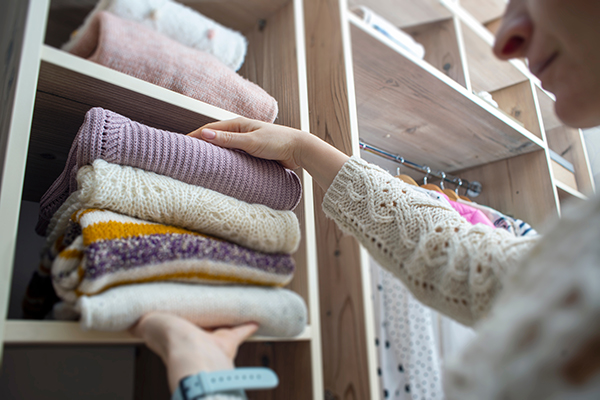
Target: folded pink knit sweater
{"x": 116, "y": 139}
{"x": 136, "y": 50}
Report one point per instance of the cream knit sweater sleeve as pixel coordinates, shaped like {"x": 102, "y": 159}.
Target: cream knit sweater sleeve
{"x": 447, "y": 263}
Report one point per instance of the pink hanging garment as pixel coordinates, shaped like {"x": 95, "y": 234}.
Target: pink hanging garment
{"x": 471, "y": 214}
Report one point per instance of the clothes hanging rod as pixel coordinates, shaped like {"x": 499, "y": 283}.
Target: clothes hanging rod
{"x": 473, "y": 189}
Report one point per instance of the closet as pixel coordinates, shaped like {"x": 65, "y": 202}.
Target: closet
{"x": 45, "y": 95}
{"x": 364, "y": 87}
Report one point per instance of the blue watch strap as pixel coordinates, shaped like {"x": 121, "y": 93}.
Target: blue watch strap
{"x": 203, "y": 383}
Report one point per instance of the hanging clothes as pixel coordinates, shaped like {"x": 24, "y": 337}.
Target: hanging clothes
{"x": 409, "y": 366}
{"x": 514, "y": 225}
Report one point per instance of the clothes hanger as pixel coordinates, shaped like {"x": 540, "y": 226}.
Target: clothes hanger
{"x": 448, "y": 192}
{"x": 405, "y": 178}
{"x": 459, "y": 184}
{"x": 430, "y": 186}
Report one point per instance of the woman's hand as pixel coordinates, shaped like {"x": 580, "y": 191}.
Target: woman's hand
{"x": 187, "y": 349}
{"x": 291, "y": 147}
{"x": 257, "y": 138}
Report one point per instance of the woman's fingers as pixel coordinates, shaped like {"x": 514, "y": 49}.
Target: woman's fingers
{"x": 229, "y": 140}
{"x": 239, "y": 125}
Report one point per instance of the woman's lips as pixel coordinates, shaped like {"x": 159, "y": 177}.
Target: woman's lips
{"x": 538, "y": 68}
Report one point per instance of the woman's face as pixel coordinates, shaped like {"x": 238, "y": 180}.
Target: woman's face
{"x": 561, "y": 40}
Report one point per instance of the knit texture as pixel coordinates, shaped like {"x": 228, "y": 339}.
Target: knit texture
{"x": 176, "y": 21}
{"x": 109, "y": 136}
{"x": 279, "y": 312}
{"x": 446, "y": 262}
{"x": 157, "y": 198}
{"x": 543, "y": 331}
{"x": 128, "y": 47}
{"x": 114, "y": 249}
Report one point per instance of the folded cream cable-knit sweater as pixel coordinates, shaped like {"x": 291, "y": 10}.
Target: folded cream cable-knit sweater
{"x": 152, "y": 197}
{"x": 535, "y": 301}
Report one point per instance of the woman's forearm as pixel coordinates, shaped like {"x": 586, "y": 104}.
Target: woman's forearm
{"x": 321, "y": 160}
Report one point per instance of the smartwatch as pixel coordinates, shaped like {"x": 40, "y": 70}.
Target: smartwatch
{"x": 232, "y": 381}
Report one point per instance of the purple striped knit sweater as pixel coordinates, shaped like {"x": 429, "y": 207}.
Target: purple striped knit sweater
{"x": 116, "y": 139}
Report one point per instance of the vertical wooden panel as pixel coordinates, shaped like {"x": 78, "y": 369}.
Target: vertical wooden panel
{"x": 150, "y": 376}
{"x": 568, "y": 143}
{"x": 441, "y": 47}
{"x": 518, "y": 102}
{"x": 487, "y": 73}
{"x": 271, "y": 62}
{"x": 18, "y": 88}
{"x": 342, "y": 313}
{"x": 520, "y": 187}
{"x": 291, "y": 362}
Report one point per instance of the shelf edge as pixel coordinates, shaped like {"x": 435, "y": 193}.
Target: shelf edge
{"x": 82, "y": 66}
{"x": 26, "y": 332}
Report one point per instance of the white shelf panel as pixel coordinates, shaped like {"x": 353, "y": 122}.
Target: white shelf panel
{"x": 569, "y": 190}
{"x": 78, "y": 65}
{"x": 26, "y": 332}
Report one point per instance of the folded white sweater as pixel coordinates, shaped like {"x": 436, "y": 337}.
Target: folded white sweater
{"x": 279, "y": 312}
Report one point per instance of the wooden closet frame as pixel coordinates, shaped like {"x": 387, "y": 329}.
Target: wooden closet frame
{"x": 328, "y": 99}
{"x": 49, "y": 98}
{"x": 363, "y": 85}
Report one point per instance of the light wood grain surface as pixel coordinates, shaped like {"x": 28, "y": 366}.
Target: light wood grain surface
{"x": 486, "y": 71}
{"x": 441, "y": 47}
{"x": 291, "y": 362}
{"x": 402, "y": 13}
{"x": 519, "y": 186}
{"x": 404, "y": 109}
{"x": 549, "y": 116}
{"x": 568, "y": 143}
{"x": 563, "y": 175}
{"x": 518, "y": 102}
{"x": 345, "y": 365}
{"x": 484, "y": 10}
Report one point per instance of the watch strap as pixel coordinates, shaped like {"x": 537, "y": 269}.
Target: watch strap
{"x": 203, "y": 383}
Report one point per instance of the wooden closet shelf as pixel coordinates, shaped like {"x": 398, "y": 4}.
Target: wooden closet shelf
{"x": 441, "y": 124}
{"x": 487, "y": 72}
{"x": 568, "y": 191}
{"x": 404, "y": 13}
{"x": 69, "y": 86}
{"x": 484, "y": 10}
{"x": 25, "y": 332}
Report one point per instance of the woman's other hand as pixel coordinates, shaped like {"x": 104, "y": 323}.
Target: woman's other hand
{"x": 187, "y": 349}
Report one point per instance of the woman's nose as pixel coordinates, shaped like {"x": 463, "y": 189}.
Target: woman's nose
{"x": 513, "y": 36}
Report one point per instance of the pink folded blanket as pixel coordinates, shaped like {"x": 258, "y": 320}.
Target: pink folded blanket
{"x": 136, "y": 50}
{"x": 118, "y": 140}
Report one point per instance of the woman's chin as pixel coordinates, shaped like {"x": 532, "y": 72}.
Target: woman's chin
{"x": 577, "y": 112}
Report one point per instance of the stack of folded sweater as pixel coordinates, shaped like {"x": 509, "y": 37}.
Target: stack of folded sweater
{"x": 173, "y": 46}
{"x": 143, "y": 219}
